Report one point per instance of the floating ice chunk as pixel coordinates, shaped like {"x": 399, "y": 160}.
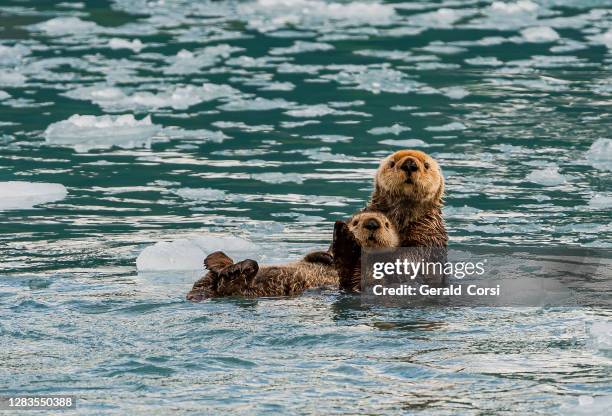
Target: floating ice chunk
{"x": 84, "y": 133}
{"x": 505, "y": 16}
{"x": 539, "y": 34}
{"x": 118, "y": 43}
{"x": 61, "y": 26}
{"x": 586, "y": 405}
{"x": 12, "y": 55}
{"x": 179, "y": 98}
{"x": 395, "y": 129}
{"x": 484, "y": 61}
{"x": 201, "y": 194}
{"x": 454, "y": 126}
{"x": 599, "y": 154}
{"x": 318, "y": 110}
{"x": 455, "y": 93}
{"x": 278, "y": 177}
{"x": 278, "y": 86}
{"x": 174, "y": 133}
{"x": 11, "y": 79}
{"x": 25, "y": 195}
{"x": 441, "y": 18}
{"x": 331, "y": 138}
{"x": 301, "y": 47}
{"x": 294, "y": 124}
{"x": 4, "y": 95}
{"x": 405, "y": 143}
{"x": 186, "y": 62}
{"x": 189, "y": 254}
{"x": 374, "y": 80}
{"x": 288, "y": 68}
{"x": 520, "y": 7}
{"x": 603, "y": 39}
{"x": 548, "y": 176}
{"x": 601, "y": 201}
{"x": 442, "y": 49}
{"x": 243, "y": 126}
{"x": 271, "y": 15}
{"x": 256, "y": 104}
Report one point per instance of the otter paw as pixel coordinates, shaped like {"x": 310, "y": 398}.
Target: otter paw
{"x": 322, "y": 257}
{"x": 195, "y": 296}
{"x": 344, "y": 245}
{"x": 245, "y": 269}
{"x": 217, "y": 261}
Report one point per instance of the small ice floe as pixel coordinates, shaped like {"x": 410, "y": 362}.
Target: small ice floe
{"x": 444, "y": 17}
{"x": 602, "y": 39}
{"x": 201, "y": 194}
{"x": 375, "y": 80}
{"x": 331, "y": 138}
{"x": 547, "y": 176}
{"x": 484, "y": 61}
{"x": 405, "y": 143}
{"x": 586, "y": 405}
{"x": 12, "y": 55}
{"x": 599, "y": 154}
{"x": 600, "y": 202}
{"x": 454, "y": 126}
{"x": 118, "y": 43}
{"x": 25, "y": 195}
{"x": 10, "y": 78}
{"x": 4, "y": 95}
{"x": 84, "y": 133}
{"x": 278, "y": 177}
{"x": 189, "y": 254}
{"x": 454, "y": 93}
{"x": 502, "y": 15}
{"x": 177, "y": 97}
{"x": 186, "y": 62}
{"x": 395, "y": 129}
{"x": 302, "y": 47}
{"x": 256, "y": 104}
{"x": 540, "y": 34}
{"x": 272, "y": 15}
{"x": 60, "y": 26}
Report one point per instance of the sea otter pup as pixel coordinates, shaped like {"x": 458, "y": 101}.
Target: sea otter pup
{"x": 408, "y": 189}
{"x": 247, "y": 279}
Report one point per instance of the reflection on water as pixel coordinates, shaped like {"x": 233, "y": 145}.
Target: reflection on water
{"x": 188, "y": 122}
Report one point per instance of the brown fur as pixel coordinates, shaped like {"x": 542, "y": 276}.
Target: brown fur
{"x": 247, "y": 279}
{"x": 412, "y": 201}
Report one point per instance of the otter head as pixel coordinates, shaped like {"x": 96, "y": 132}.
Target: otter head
{"x": 411, "y": 174}
{"x": 373, "y": 229}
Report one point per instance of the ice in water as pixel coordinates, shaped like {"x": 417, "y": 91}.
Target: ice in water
{"x": 26, "y": 195}
{"x": 87, "y": 132}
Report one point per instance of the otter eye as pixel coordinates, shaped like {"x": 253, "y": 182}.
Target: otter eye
{"x": 426, "y": 165}
{"x": 392, "y": 163}
{"x": 387, "y": 224}
{"x": 354, "y": 223}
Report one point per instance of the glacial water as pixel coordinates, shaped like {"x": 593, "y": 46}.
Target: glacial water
{"x": 158, "y": 131}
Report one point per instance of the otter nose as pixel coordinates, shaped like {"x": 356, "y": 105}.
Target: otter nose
{"x": 409, "y": 166}
{"x": 372, "y": 224}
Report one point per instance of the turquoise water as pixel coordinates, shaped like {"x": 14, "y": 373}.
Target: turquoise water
{"x": 267, "y": 120}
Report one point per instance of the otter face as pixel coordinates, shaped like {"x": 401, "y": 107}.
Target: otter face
{"x": 373, "y": 229}
{"x": 413, "y": 174}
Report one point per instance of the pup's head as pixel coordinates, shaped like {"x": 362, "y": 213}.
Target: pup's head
{"x": 411, "y": 174}
{"x": 373, "y": 229}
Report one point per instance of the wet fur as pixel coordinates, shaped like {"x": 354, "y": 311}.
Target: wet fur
{"x": 412, "y": 202}
{"x": 247, "y": 279}
{"x": 414, "y": 208}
